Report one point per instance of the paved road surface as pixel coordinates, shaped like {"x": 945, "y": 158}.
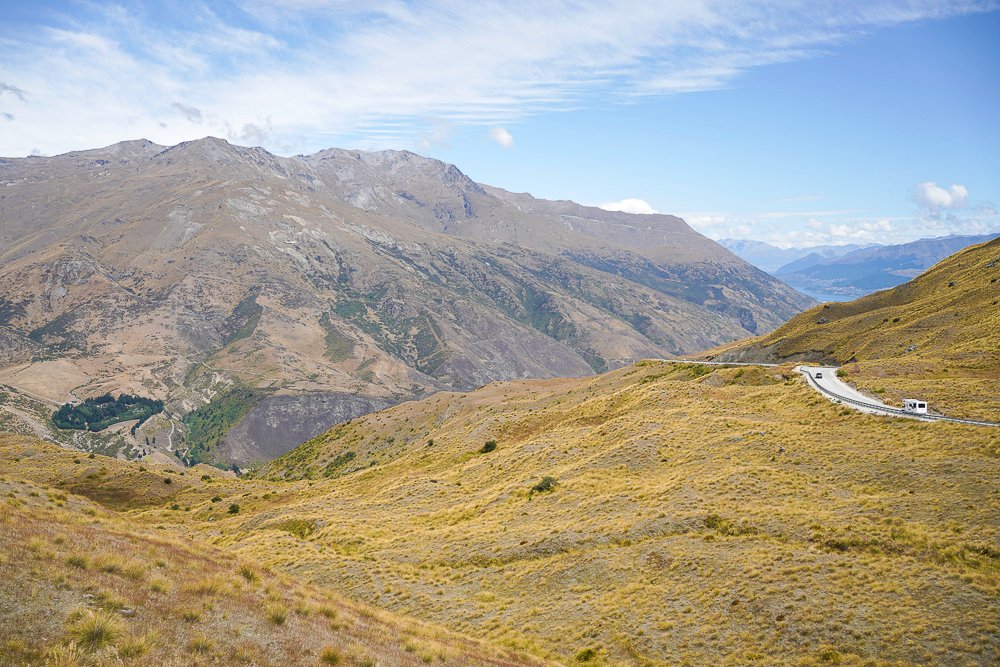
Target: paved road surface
{"x": 833, "y": 388}
{"x": 841, "y": 392}
{"x": 831, "y": 385}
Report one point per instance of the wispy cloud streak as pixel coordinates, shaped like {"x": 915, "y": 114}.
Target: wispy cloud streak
{"x": 292, "y": 69}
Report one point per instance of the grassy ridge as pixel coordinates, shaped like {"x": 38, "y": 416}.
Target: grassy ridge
{"x": 950, "y": 312}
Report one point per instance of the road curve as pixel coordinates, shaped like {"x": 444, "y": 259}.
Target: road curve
{"x": 833, "y": 388}
{"x": 824, "y": 380}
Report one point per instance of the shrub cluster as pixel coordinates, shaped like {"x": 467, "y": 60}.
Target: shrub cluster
{"x": 96, "y": 414}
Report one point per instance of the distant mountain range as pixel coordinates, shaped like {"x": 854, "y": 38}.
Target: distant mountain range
{"x": 845, "y": 272}
{"x": 282, "y": 295}
{"x": 871, "y": 269}
{"x": 770, "y": 258}
{"x": 947, "y": 313}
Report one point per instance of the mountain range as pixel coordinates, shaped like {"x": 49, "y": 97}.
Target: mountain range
{"x": 770, "y": 258}
{"x": 868, "y": 270}
{"x": 275, "y": 296}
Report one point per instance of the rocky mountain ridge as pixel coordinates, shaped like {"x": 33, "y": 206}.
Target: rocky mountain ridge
{"x": 175, "y": 272}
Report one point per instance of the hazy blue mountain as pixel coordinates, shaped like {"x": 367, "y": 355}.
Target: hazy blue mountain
{"x": 868, "y": 270}
{"x": 769, "y": 257}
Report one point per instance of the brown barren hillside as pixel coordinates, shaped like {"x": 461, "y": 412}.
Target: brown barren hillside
{"x": 936, "y": 337}
{"x": 333, "y": 284}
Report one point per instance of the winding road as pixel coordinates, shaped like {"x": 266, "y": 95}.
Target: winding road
{"x": 824, "y": 380}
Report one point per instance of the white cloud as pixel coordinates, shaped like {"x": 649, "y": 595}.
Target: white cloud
{"x": 848, "y": 228}
{"x": 317, "y": 73}
{"x": 502, "y": 137}
{"x": 932, "y": 196}
{"x": 436, "y": 134}
{"x": 638, "y": 206}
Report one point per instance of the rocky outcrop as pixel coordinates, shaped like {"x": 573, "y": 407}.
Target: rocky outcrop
{"x": 278, "y": 423}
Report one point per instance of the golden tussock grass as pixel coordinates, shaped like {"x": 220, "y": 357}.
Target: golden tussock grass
{"x": 113, "y": 590}
{"x": 698, "y": 515}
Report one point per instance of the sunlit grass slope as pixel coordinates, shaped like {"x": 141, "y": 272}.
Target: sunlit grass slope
{"x": 697, "y": 516}
{"x": 84, "y": 585}
{"x": 936, "y": 337}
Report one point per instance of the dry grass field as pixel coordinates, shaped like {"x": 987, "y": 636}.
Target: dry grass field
{"x": 85, "y": 585}
{"x": 696, "y": 516}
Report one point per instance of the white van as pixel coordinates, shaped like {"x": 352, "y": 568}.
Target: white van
{"x": 915, "y": 406}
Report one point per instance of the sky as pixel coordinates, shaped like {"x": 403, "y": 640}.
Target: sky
{"x": 797, "y": 123}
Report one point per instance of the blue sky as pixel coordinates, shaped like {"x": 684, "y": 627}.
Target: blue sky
{"x": 796, "y": 123}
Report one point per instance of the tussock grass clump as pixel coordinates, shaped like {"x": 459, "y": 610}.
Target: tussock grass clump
{"x": 160, "y": 585}
{"x": 207, "y": 586}
{"x": 136, "y": 646}
{"x": 248, "y": 574}
{"x": 277, "y": 614}
{"x": 68, "y": 655}
{"x": 200, "y": 644}
{"x": 330, "y": 656}
{"x": 92, "y": 630}
{"x": 110, "y": 565}
{"x": 78, "y": 562}
{"x": 190, "y": 615}
{"x": 109, "y": 601}
{"x": 300, "y": 528}
{"x": 727, "y": 527}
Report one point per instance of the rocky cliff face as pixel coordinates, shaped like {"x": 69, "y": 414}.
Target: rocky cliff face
{"x": 278, "y": 423}
{"x": 170, "y": 272}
